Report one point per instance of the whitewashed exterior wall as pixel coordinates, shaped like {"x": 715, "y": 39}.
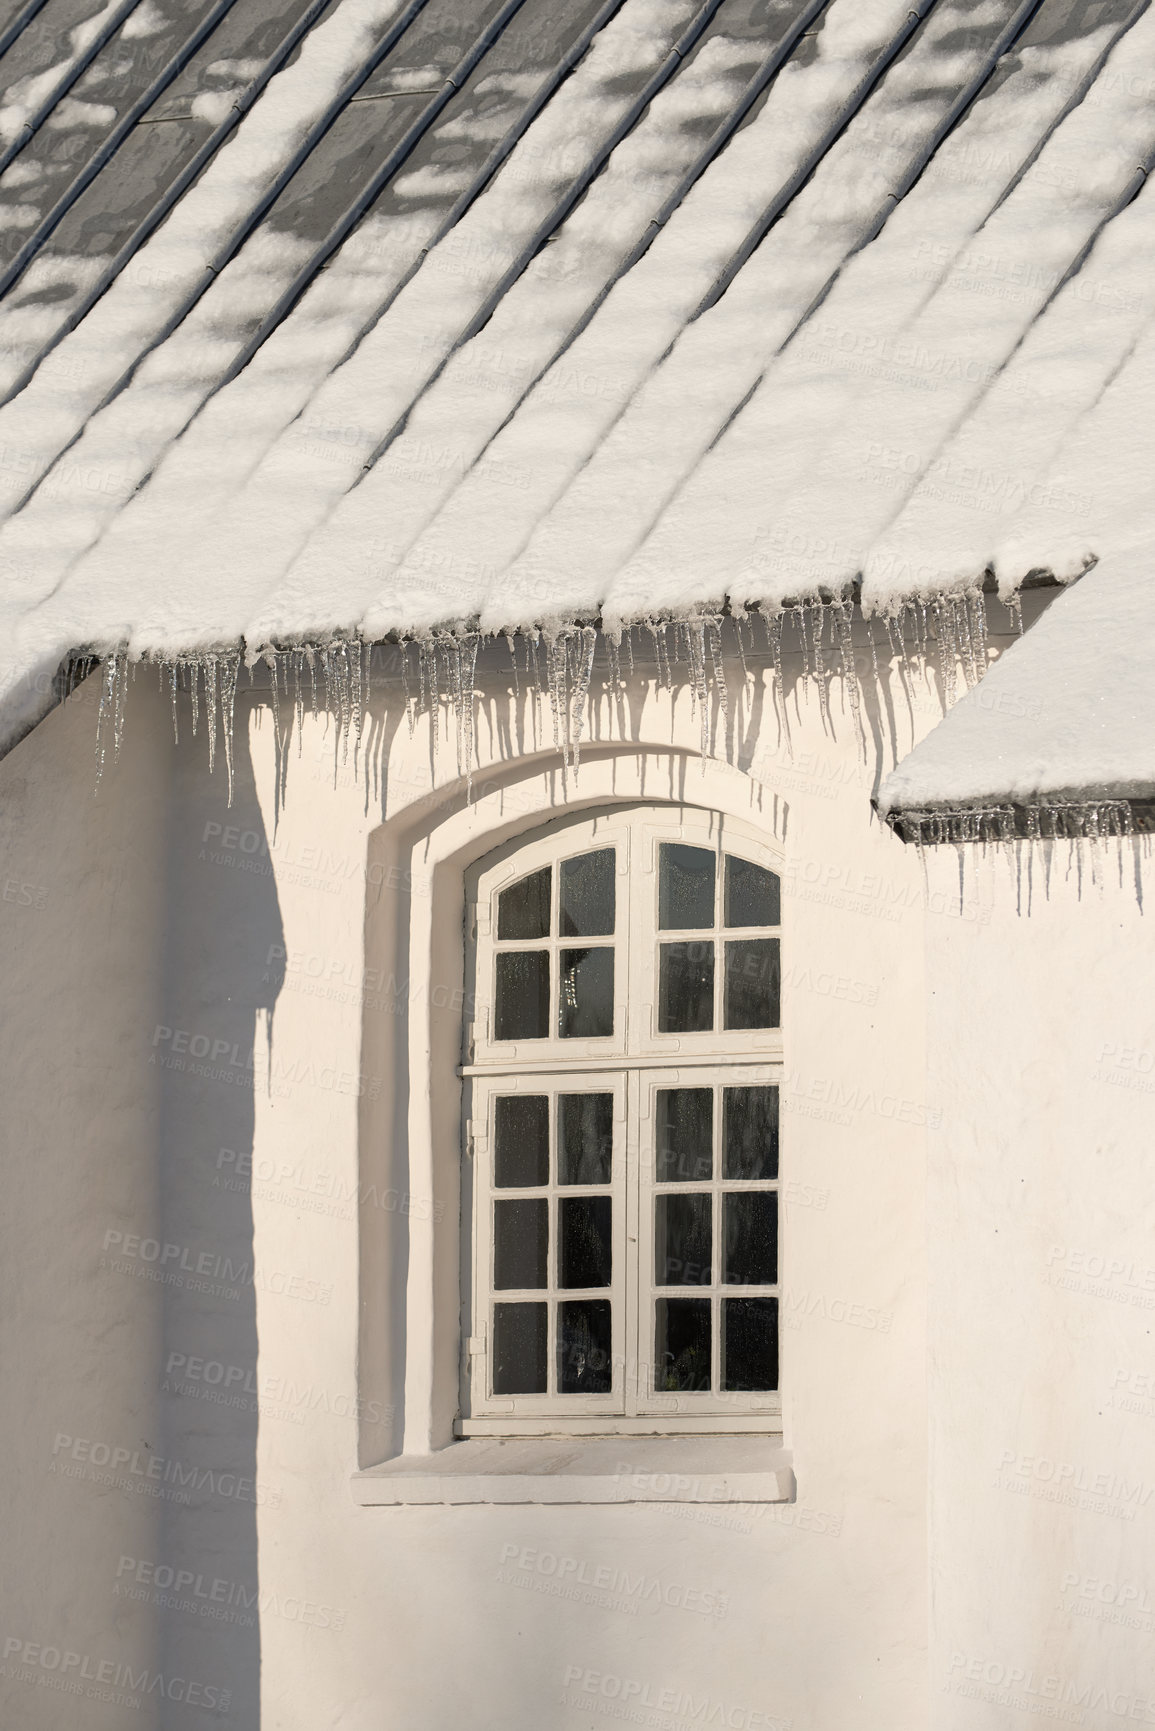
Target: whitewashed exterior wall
{"x": 230, "y": 1249}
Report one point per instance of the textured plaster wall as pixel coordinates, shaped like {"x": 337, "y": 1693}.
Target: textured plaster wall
{"x": 209, "y": 1052}
{"x": 1041, "y": 1043}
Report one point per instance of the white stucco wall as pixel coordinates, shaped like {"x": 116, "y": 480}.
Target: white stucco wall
{"x": 276, "y": 1307}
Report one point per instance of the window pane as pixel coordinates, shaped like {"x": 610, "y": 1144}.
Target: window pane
{"x": 685, "y": 887}
{"x": 585, "y": 1241}
{"x": 750, "y": 1343}
{"x": 585, "y": 1138}
{"x": 521, "y": 1141}
{"x": 752, "y": 983}
{"x": 753, "y": 895}
{"x": 684, "y": 1135}
{"x": 682, "y": 1345}
{"x": 520, "y": 1241}
{"x": 523, "y": 909}
{"x": 587, "y": 994}
{"x": 686, "y": 988}
{"x": 750, "y": 1133}
{"x": 519, "y": 1348}
{"x": 587, "y": 895}
{"x": 522, "y": 1008}
{"x": 750, "y": 1235}
{"x": 584, "y": 1346}
{"x": 682, "y": 1240}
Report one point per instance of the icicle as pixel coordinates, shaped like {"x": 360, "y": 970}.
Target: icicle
{"x": 194, "y": 694}
{"x": 948, "y": 650}
{"x": 210, "y": 667}
{"x": 817, "y": 629}
{"x": 843, "y": 615}
{"x": 714, "y": 643}
{"x": 741, "y": 627}
{"x": 613, "y": 650}
{"x": 999, "y": 825}
{"x": 298, "y": 665}
{"x": 406, "y": 688}
{"x": 357, "y": 695}
{"x": 110, "y": 714}
{"x": 977, "y": 614}
{"x": 469, "y": 686}
{"x": 868, "y": 620}
{"x": 773, "y": 624}
{"x": 230, "y": 666}
{"x": 172, "y": 668}
{"x": 511, "y": 641}
{"x": 270, "y": 656}
{"x": 1014, "y": 606}
{"x": 556, "y": 670}
{"x": 586, "y": 647}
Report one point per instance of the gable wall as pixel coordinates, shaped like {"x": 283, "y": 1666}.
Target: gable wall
{"x": 268, "y": 1343}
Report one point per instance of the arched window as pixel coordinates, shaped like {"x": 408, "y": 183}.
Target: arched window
{"x": 622, "y": 1128}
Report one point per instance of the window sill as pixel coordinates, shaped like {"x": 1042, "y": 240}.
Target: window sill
{"x": 688, "y": 1469}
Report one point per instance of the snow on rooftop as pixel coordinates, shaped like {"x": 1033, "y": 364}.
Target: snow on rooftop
{"x": 506, "y": 391}
{"x": 1067, "y": 714}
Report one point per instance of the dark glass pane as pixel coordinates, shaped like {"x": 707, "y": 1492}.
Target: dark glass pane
{"x": 584, "y": 1241}
{"x": 584, "y": 1346}
{"x": 587, "y": 895}
{"x": 750, "y": 1133}
{"x": 521, "y": 1141}
{"x": 682, "y": 1345}
{"x": 686, "y": 988}
{"x": 750, "y": 1237}
{"x": 752, "y": 983}
{"x": 587, "y": 994}
{"x": 520, "y": 1242}
{"x": 682, "y": 1240}
{"x": 522, "y": 1008}
{"x": 585, "y": 1138}
{"x": 753, "y": 895}
{"x": 523, "y": 909}
{"x": 750, "y": 1343}
{"x": 519, "y": 1348}
{"x": 685, "y": 887}
{"x": 684, "y": 1135}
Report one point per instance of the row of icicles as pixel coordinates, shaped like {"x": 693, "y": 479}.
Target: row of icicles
{"x": 438, "y": 672}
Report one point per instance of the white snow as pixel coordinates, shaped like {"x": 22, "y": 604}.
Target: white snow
{"x": 1068, "y": 708}
{"x": 943, "y": 411}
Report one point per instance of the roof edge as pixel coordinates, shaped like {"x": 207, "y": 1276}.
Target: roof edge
{"x": 1090, "y": 819}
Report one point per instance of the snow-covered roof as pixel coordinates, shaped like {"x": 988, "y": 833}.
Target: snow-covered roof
{"x": 1059, "y": 738}
{"x": 356, "y": 317}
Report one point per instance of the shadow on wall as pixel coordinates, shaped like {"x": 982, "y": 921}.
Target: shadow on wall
{"x": 137, "y": 991}
{"x": 219, "y": 990}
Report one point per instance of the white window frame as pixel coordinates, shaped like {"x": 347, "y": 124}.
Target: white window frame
{"x": 632, "y": 1063}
